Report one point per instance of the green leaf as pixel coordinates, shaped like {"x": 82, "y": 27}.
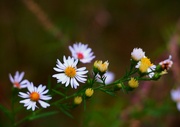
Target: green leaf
{"x": 108, "y": 92}
{"x": 42, "y": 115}
{"x": 58, "y": 92}
{"x": 84, "y": 102}
{"x": 64, "y": 109}
{"x": 6, "y": 111}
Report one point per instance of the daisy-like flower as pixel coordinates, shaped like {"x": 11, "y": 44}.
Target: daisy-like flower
{"x": 68, "y": 72}
{"x": 137, "y": 54}
{"x": 82, "y": 52}
{"x": 175, "y": 95}
{"x": 166, "y": 64}
{"x": 35, "y": 94}
{"x": 18, "y": 81}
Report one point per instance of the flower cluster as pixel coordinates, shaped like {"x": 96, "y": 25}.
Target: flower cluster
{"x": 70, "y": 75}
{"x": 145, "y": 67}
{"x": 34, "y": 94}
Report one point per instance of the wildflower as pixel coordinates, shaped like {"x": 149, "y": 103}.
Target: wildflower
{"x": 109, "y": 77}
{"x": 137, "y": 54}
{"x": 175, "y": 95}
{"x": 100, "y": 67}
{"x": 144, "y": 64}
{"x": 18, "y": 81}
{"x": 77, "y": 100}
{"x": 133, "y": 83}
{"x": 89, "y": 92}
{"x": 35, "y": 94}
{"x": 82, "y": 52}
{"x": 166, "y": 64}
{"x": 68, "y": 72}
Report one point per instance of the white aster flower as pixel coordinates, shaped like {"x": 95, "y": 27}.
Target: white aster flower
{"x": 151, "y": 70}
{"x": 69, "y": 73}
{"x": 18, "y": 81}
{"x": 175, "y": 95}
{"x": 166, "y": 64}
{"x": 82, "y": 52}
{"x": 137, "y": 54}
{"x": 109, "y": 77}
{"x": 35, "y": 94}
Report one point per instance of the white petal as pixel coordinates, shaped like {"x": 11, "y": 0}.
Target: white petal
{"x": 16, "y": 76}
{"x": 46, "y": 91}
{"x": 45, "y": 97}
{"x": 25, "y": 101}
{"x": 41, "y": 88}
{"x": 31, "y": 87}
{"x": 67, "y": 82}
{"x": 20, "y": 77}
{"x": 23, "y": 95}
{"x": 11, "y": 78}
{"x": 43, "y": 104}
{"x": 178, "y": 106}
{"x": 24, "y": 83}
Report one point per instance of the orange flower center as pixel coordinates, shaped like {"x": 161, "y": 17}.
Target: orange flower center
{"x": 34, "y": 96}
{"x": 80, "y": 55}
{"x": 70, "y": 72}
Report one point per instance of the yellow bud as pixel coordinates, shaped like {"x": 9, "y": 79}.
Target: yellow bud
{"x": 102, "y": 67}
{"x": 119, "y": 85}
{"x": 133, "y": 83}
{"x": 89, "y": 92}
{"x": 77, "y": 100}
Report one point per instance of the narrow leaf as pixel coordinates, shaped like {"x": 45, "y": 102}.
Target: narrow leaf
{"x": 6, "y": 111}
{"x": 58, "y": 92}
{"x": 42, "y": 115}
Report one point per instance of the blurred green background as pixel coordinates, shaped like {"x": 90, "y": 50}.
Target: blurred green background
{"x": 112, "y": 28}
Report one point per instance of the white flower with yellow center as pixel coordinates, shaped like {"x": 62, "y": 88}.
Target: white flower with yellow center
{"x": 137, "y": 54}
{"x": 35, "y": 94}
{"x": 175, "y": 95}
{"x": 68, "y": 72}
{"x": 82, "y": 52}
{"x": 18, "y": 81}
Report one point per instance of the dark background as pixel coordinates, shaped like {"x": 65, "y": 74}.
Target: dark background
{"x": 31, "y": 40}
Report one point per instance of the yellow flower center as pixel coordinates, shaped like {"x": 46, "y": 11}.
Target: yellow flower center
{"x": 145, "y": 64}
{"x": 133, "y": 83}
{"x": 34, "y": 96}
{"x": 70, "y": 72}
{"x": 89, "y": 92}
{"x": 77, "y": 100}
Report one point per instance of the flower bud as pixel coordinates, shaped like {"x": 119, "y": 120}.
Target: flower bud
{"x": 89, "y": 92}
{"x": 77, "y": 100}
{"x": 100, "y": 67}
{"x": 133, "y": 83}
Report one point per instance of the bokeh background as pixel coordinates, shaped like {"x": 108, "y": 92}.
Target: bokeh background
{"x": 34, "y": 33}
